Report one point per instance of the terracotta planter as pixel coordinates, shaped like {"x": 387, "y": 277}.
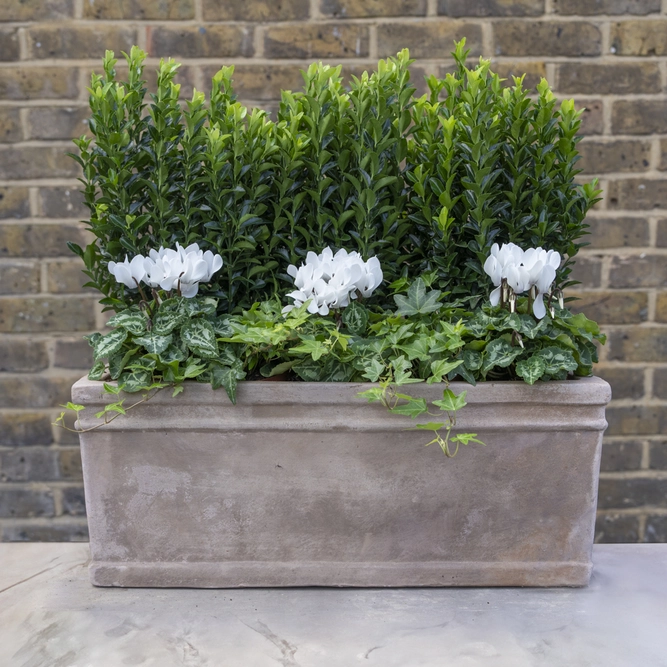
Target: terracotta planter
{"x": 305, "y": 484}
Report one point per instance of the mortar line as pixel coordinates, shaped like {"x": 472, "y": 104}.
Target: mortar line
{"x": 199, "y": 11}
{"x": 78, "y": 9}
{"x": 373, "y": 42}
{"x": 431, "y": 7}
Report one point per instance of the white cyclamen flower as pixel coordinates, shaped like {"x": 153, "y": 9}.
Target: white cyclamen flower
{"x": 168, "y": 269}
{"x": 129, "y": 273}
{"x": 331, "y": 281}
{"x": 522, "y": 270}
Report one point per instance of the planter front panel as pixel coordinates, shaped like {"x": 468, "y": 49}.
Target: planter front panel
{"x": 305, "y": 484}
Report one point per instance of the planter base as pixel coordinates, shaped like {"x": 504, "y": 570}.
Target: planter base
{"x": 305, "y": 484}
{"x": 372, "y": 575}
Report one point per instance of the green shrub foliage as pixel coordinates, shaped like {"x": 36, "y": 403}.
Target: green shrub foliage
{"x": 427, "y": 184}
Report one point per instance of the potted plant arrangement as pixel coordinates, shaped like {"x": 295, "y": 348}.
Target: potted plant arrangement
{"x": 395, "y": 264}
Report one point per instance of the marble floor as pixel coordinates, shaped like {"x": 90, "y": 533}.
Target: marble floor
{"x": 50, "y": 616}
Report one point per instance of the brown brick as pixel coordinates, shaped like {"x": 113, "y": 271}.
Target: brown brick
{"x": 638, "y": 344}
{"x": 36, "y": 162}
{"x": 317, "y": 40}
{"x": 608, "y": 79}
{"x": 262, "y": 82}
{"x": 79, "y": 41}
{"x": 546, "y": 38}
{"x": 66, "y": 277}
{"x": 611, "y": 307}
{"x": 636, "y": 420}
{"x": 635, "y": 492}
{"x": 621, "y": 456}
{"x": 29, "y": 83}
{"x": 132, "y": 10}
{"x": 9, "y": 44}
{"x": 639, "y": 116}
{"x": 617, "y": 232}
{"x": 634, "y": 271}
{"x": 428, "y": 39}
{"x": 57, "y": 122}
{"x": 14, "y": 203}
{"x": 36, "y": 391}
{"x": 58, "y": 530}
{"x": 19, "y": 277}
{"x": 70, "y": 464}
{"x": 534, "y": 71}
{"x": 210, "y": 41}
{"x": 28, "y": 314}
{"x": 369, "y": 8}
{"x": 660, "y": 382}
{"x": 602, "y": 157}
{"x": 587, "y": 270}
{"x": 491, "y": 7}
{"x": 656, "y": 529}
{"x": 23, "y": 355}
{"x": 637, "y": 193}
{"x": 591, "y": 118}
{"x": 73, "y": 353}
{"x": 639, "y": 38}
{"x": 10, "y": 125}
{"x": 661, "y": 307}
{"x": 25, "y": 503}
{"x": 25, "y": 428}
{"x": 24, "y": 240}
{"x": 661, "y": 240}
{"x": 74, "y": 502}
{"x": 257, "y": 10}
{"x": 36, "y": 464}
{"x": 616, "y": 528}
{"x": 657, "y": 456}
{"x": 592, "y": 7}
{"x": 625, "y": 382}
{"x": 62, "y": 202}
{"x": 36, "y": 10}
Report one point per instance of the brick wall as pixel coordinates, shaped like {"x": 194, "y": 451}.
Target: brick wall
{"x": 611, "y": 55}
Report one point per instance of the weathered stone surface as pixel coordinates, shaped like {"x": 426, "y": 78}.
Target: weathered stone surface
{"x": 658, "y": 455}
{"x": 258, "y": 10}
{"x": 656, "y": 529}
{"x": 356, "y": 474}
{"x": 74, "y": 502}
{"x": 619, "y": 493}
{"x": 643, "y": 271}
{"x": 209, "y": 41}
{"x": 621, "y": 155}
{"x": 16, "y": 502}
{"x": 46, "y": 313}
{"x": 174, "y": 10}
{"x": 326, "y": 40}
{"x": 621, "y": 456}
{"x": 23, "y": 355}
{"x": 428, "y": 39}
{"x": 592, "y": 7}
{"x": 35, "y": 391}
{"x": 62, "y": 202}
{"x": 49, "y": 240}
{"x": 620, "y": 232}
{"x": 59, "y": 530}
{"x": 661, "y": 307}
{"x": 9, "y": 44}
{"x": 636, "y": 420}
{"x": 25, "y": 428}
{"x": 639, "y": 116}
{"x": 70, "y": 464}
{"x": 587, "y": 270}
{"x": 73, "y": 353}
{"x": 66, "y": 277}
{"x": 610, "y": 307}
{"x": 36, "y": 162}
{"x": 616, "y": 528}
{"x": 638, "y": 344}
{"x": 78, "y": 41}
{"x": 14, "y": 203}
{"x": 10, "y": 125}
{"x": 491, "y": 7}
{"x": 546, "y": 38}
{"x": 639, "y": 38}
{"x": 625, "y": 382}
{"x": 29, "y": 83}
{"x": 660, "y": 382}
{"x": 368, "y": 8}
{"x": 57, "y": 122}
{"x": 608, "y": 79}
{"x": 637, "y": 193}
{"x": 36, "y": 10}
{"x": 26, "y": 465}
{"x": 19, "y": 277}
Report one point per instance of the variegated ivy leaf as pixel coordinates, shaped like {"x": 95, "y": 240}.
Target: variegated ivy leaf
{"x": 166, "y": 321}
{"x": 108, "y": 345}
{"x": 154, "y": 343}
{"x": 135, "y": 380}
{"x": 557, "y": 360}
{"x": 97, "y": 371}
{"x": 499, "y": 353}
{"x": 199, "y": 306}
{"x": 172, "y": 353}
{"x": 135, "y": 322}
{"x": 117, "y": 362}
{"x": 450, "y": 401}
{"x": 227, "y": 377}
{"x": 532, "y": 369}
{"x": 472, "y": 360}
{"x": 199, "y": 336}
{"x": 355, "y": 318}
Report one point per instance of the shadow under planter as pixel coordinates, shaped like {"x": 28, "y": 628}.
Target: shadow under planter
{"x": 305, "y": 484}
